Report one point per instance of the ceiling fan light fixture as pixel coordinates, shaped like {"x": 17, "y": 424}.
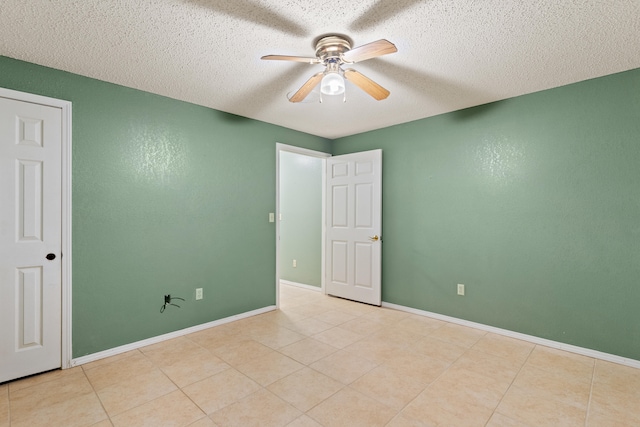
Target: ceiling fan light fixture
{"x": 333, "y": 51}
{"x": 332, "y": 84}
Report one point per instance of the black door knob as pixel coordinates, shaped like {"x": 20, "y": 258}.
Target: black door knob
{"x": 51, "y": 257}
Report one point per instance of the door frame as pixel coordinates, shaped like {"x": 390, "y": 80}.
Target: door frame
{"x": 65, "y": 107}
{"x": 311, "y": 153}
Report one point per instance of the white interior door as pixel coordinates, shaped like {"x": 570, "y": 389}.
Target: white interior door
{"x": 30, "y": 238}
{"x": 354, "y": 226}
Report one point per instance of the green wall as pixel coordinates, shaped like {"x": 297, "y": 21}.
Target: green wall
{"x": 533, "y": 203}
{"x": 167, "y": 197}
{"x": 301, "y": 225}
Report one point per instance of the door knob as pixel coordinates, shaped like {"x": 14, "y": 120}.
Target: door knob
{"x": 374, "y": 238}
{"x": 51, "y": 256}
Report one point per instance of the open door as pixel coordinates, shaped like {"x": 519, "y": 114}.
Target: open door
{"x": 354, "y": 226}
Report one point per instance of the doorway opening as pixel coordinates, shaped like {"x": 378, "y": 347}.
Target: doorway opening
{"x": 300, "y": 218}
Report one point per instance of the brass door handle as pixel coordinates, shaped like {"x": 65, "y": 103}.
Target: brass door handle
{"x": 374, "y": 238}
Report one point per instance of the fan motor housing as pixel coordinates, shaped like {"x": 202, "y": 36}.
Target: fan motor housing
{"x": 332, "y": 47}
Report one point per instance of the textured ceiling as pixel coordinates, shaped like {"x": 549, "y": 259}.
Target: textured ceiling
{"x": 451, "y": 54}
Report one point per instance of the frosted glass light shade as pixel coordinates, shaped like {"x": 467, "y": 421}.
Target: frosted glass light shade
{"x": 332, "y": 84}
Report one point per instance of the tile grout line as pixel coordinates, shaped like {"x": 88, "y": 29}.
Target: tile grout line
{"x": 593, "y": 379}
{"x": 305, "y": 413}
{"x": 398, "y": 412}
{"x": 261, "y": 388}
{"x": 511, "y": 384}
{"x": 173, "y": 382}
{"x": 96, "y": 394}
{"x": 423, "y": 390}
{"x": 439, "y": 376}
{"x": 9, "y": 404}
{"x": 343, "y": 386}
{"x": 144, "y": 403}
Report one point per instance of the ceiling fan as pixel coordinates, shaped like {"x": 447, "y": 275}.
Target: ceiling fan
{"x": 333, "y": 51}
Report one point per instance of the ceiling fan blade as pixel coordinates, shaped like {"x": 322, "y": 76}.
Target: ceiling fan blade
{"x": 291, "y": 58}
{"x": 366, "y": 84}
{"x": 307, "y": 88}
{"x": 370, "y": 50}
{"x": 251, "y": 11}
{"x": 379, "y": 13}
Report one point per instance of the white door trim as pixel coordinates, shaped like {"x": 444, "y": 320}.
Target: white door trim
{"x": 312, "y": 153}
{"x": 65, "y": 106}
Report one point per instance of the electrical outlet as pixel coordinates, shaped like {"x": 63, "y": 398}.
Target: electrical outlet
{"x": 199, "y": 293}
{"x": 295, "y": 263}
{"x": 460, "y": 289}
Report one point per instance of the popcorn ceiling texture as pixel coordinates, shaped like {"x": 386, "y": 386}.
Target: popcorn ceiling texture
{"x": 451, "y": 54}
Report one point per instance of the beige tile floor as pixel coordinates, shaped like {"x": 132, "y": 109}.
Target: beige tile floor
{"x": 322, "y": 361}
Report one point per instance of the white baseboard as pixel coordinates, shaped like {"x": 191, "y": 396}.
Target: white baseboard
{"x": 139, "y": 344}
{"x": 517, "y": 335}
{"x": 524, "y": 337}
{"x": 301, "y": 285}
